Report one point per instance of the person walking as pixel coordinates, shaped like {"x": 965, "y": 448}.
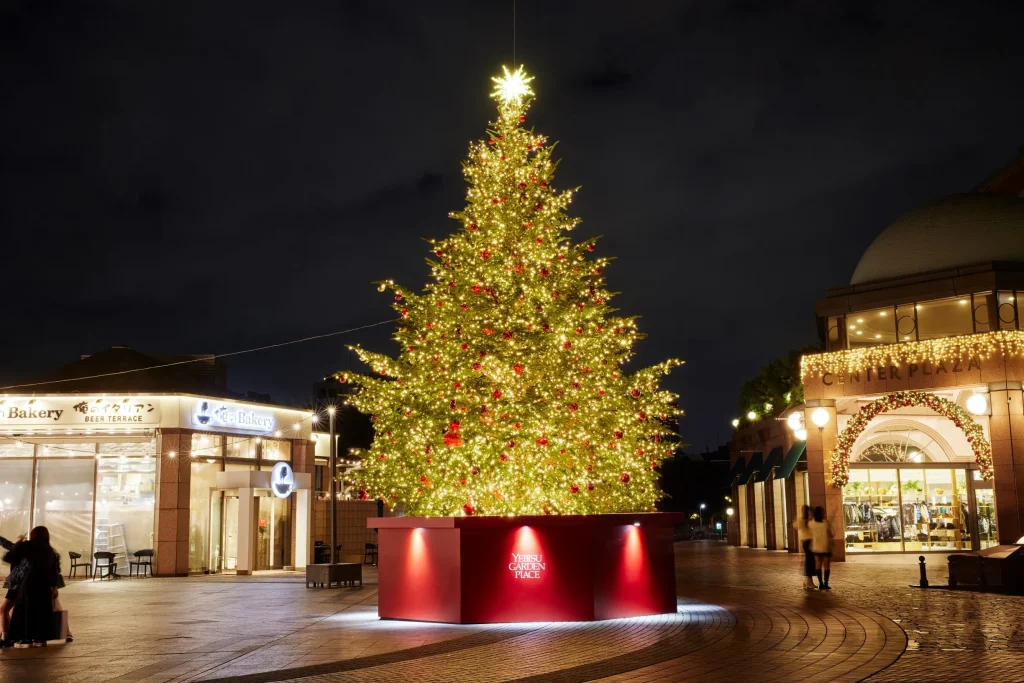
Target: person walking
{"x": 821, "y": 546}
{"x": 803, "y": 539}
{"x": 32, "y": 619}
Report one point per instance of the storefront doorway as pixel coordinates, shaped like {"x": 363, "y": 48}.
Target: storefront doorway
{"x": 273, "y": 532}
{"x": 984, "y": 522}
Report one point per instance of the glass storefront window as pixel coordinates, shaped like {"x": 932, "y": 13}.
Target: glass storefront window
{"x": 983, "y": 304}
{"x": 934, "y": 510}
{"x": 125, "y": 500}
{"x": 64, "y": 503}
{"x": 241, "y": 447}
{"x": 871, "y": 511}
{"x": 1007, "y": 309}
{"x": 870, "y": 328}
{"x": 985, "y": 504}
{"x": 273, "y": 544}
{"x": 15, "y": 498}
{"x": 204, "y": 479}
{"x": 16, "y": 449}
{"x": 944, "y": 318}
{"x": 66, "y": 450}
{"x": 906, "y": 323}
{"x": 276, "y": 450}
{"x": 206, "y": 446}
{"x": 836, "y": 334}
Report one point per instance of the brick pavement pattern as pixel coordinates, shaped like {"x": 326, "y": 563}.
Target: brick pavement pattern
{"x": 742, "y": 617}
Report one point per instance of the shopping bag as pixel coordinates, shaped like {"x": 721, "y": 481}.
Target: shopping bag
{"x": 59, "y": 625}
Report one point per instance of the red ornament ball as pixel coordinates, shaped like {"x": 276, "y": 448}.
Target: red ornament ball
{"x": 574, "y": 489}
{"x": 468, "y": 509}
{"x": 624, "y": 478}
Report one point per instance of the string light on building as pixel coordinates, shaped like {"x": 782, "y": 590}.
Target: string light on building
{"x": 934, "y": 351}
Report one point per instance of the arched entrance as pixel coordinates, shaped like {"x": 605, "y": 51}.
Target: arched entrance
{"x": 904, "y": 487}
{"x": 905, "y": 399}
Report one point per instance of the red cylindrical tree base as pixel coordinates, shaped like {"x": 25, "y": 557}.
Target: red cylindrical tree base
{"x": 511, "y": 569}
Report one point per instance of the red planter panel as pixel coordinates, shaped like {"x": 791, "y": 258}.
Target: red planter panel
{"x": 502, "y": 569}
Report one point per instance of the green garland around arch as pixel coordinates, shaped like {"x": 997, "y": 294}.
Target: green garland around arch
{"x": 903, "y": 399}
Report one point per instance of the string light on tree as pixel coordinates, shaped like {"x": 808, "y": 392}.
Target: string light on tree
{"x": 508, "y": 395}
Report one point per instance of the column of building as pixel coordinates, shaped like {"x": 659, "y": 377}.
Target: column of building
{"x": 820, "y": 442}
{"x": 1006, "y": 431}
{"x": 174, "y": 479}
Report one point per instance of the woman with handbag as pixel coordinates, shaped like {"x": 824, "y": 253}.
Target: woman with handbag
{"x": 821, "y": 546}
{"x": 803, "y": 539}
{"x": 32, "y": 619}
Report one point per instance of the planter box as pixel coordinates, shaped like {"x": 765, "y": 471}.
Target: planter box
{"x": 513, "y": 569}
{"x": 328, "y": 574}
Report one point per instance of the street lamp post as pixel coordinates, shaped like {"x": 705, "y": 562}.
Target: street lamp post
{"x": 728, "y": 518}
{"x": 700, "y": 512}
{"x": 334, "y": 490}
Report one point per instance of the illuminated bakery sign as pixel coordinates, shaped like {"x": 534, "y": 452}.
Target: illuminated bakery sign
{"x": 48, "y": 412}
{"x": 214, "y": 414}
{"x": 526, "y": 566}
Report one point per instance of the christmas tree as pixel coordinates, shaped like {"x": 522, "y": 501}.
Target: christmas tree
{"x": 509, "y": 394}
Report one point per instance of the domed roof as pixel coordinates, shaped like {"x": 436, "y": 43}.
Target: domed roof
{"x": 954, "y": 231}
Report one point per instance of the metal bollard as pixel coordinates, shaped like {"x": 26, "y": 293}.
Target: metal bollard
{"x": 924, "y": 572}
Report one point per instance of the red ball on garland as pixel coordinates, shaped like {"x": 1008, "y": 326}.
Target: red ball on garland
{"x": 496, "y": 394}
{"x": 573, "y": 407}
{"x": 521, "y": 119}
{"x": 518, "y": 369}
{"x": 590, "y": 486}
{"x": 476, "y": 366}
{"x": 469, "y": 510}
{"x": 362, "y": 494}
{"x": 574, "y": 489}
{"x": 618, "y": 434}
{"x": 542, "y": 441}
{"x": 624, "y": 478}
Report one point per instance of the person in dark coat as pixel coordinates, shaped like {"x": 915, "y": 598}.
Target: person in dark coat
{"x": 32, "y": 619}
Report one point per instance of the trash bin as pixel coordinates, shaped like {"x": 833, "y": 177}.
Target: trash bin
{"x": 321, "y": 554}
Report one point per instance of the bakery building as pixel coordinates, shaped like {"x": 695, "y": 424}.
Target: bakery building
{"x": 162, "y": 458}
{"x": 911, "y": 433}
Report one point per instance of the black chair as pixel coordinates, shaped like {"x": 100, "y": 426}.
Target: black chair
{"x": 143, "y": 561}
{"x": 370, "y": 554}
{"x": 108, "y": 565}
{"x": 75, "y": 564}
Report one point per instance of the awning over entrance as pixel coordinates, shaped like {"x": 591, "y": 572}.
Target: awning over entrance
{"x": 753, "y": 466}
{"x": 791, "y": 459}
{"x": 770, "y": 463}
{"x": 737, "y": 470}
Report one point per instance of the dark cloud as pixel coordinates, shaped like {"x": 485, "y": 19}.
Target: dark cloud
{"x": 203, "y": 177}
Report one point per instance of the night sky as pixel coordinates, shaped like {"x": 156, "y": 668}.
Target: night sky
{"x": 211, "y": 178}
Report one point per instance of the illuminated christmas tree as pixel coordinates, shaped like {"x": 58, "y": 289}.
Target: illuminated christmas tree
{"x": 509, "y": 394}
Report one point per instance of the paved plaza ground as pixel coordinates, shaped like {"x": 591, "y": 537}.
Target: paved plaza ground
{"x": 742, "y": 617}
